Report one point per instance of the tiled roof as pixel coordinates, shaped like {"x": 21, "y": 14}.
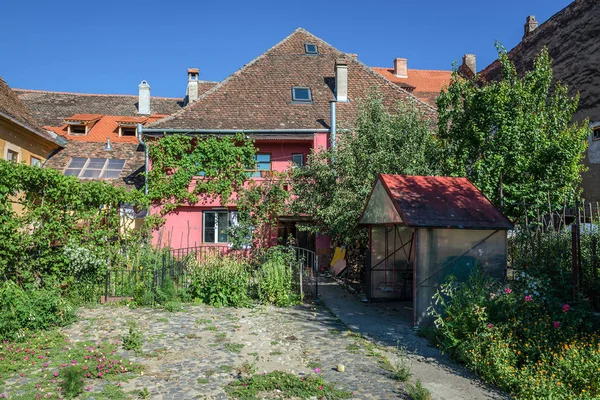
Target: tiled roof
{"x": 258, "y": 96}
{"x": 427, "y": 84}
{"x": 442, "y": 202}
{"x": 51, "y": 108}
{"x": 106, "y": 127}
{"x": 12, "y": 107}
{"x": 571, "y": 37}
{"x": 132, "y": 175}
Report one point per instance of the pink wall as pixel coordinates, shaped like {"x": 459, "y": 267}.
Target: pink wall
{"x": 183, "y": 226}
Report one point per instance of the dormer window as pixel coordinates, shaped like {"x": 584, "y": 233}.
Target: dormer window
{"x": 127, "y": 130}
{"x": 311, "y": 48}
{"x": 596, "y": 133}
{"x": 301, "y": 94}
{"x": 77, "y": 130}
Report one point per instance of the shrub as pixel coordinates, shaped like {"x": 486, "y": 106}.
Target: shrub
{"x": 418, "y": 392}
{"x": 221, "y": 281}
{"x": 31, "y": 310}
{"x": 274, "y": 277}
{"x": 523, "y": 342}
{"x": 166, "y": 291}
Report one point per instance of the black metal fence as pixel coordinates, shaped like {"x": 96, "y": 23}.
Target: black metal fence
{"x": 562, "y": 244}
{"x": 177, "y": 264}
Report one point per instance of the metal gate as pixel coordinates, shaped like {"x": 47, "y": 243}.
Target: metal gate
{"x": 308, "y": 272}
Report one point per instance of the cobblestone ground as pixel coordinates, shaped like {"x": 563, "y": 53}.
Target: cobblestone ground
{"x": 194, "y": 353}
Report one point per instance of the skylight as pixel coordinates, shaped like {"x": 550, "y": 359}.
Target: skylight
{"x": 310, "y": 48}
{"x": 301, "y": 94}
{"x": 95, "y": 168}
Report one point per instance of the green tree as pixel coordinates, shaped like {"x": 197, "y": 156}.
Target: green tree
{"x": 513, "y": 138}
{"x": 334, "y": 184}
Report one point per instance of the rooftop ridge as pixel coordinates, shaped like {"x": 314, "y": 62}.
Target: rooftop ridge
{"x": 416, "y": 69}
{"x": 96, "y": 94}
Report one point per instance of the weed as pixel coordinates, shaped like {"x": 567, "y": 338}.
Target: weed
{"x": 353, "y": 348}
{"x": 72, "y": 383}
{"x": 335, "y": 331}
{"x": 203, "y": 381}
{"x": 418, "y": 392}
{"x": 173, "y": 306}
{"x": 287, "y": 386}
{"x": 211, "y": 328}
{"x": 247, "y": 368}
{"x": 134, "y": 340}
{"x": 144, "y": 393}
{"x": 274, "y": 343}
{"x": 220, "y": 337}
{"x": 162, "y": 319}
{"x": 234, "y": 347}
{"x": 209, "y": 372}
{"x": 275, "y": 353}
{"x": 201, "y": 321}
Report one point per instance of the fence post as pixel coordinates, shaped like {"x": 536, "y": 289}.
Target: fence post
{"x": 316, "y": 264}
{"x": 106, "y": 286}
{"x": 574, "y": 258}
{"x": 300, "y": 269}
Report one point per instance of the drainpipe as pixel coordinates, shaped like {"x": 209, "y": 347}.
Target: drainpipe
{"x": 140, "y": 138}
{"x": 333, "y": 122}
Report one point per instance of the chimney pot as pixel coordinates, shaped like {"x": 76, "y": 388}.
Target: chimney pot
{"x": 341, "y": 80}
{"x": 530, "y": 25}
{"x": 144, "y": 98}
{"x": 192, "y": 86}
{"x": 401, "y": 68}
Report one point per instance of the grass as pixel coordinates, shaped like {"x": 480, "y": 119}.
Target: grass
{"x": 234, "y": 347}
{"x": 203, "y": 321}
{"x": 314, "y": 364}
{"x": 203, "y": 381}
{"x": 353, "y": 348}
{"x": 40, "y": 364}
{"x": 220, "y": 337}
{"x": 335, "y": 331}
{"x": 275, "y": 353}
{"x": 284, "y": 385}
{"x": 163, "y": 319}
{"x": 211, "y": 328}
{"x": 226, "y": 368}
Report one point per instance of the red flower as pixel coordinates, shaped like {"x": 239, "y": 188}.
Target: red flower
{"x": 556, "y": 324}
{"x": 528, "y": 298}
{"x": 566, "y": 308}
{"x": 508, "y": 290}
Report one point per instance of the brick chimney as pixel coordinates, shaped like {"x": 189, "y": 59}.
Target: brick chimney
{"x": 530, "y": 25}
{"x": 192, "y": 86}
{"x": 401, "y": 68}
{"x": 144, "y": 98}
{"x": 469, "y": 66}
{"x": 341, "y": 80}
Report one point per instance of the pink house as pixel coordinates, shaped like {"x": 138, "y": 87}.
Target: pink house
{"x": 289, "y": 100}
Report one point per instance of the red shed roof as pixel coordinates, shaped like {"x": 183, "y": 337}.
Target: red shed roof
{"x": 441, "y": 202}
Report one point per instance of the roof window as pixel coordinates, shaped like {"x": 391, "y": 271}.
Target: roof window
{"x": 311, "y": 48}
{"x": 77, "y": 129}
{"x": 127, "y": 130}
{"x": 301, "y": 94}
{"x": 95, "y": 168}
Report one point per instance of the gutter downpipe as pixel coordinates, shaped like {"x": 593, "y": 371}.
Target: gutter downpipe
{"x": 140, "y": 138}
{"x": 333, "y": 122}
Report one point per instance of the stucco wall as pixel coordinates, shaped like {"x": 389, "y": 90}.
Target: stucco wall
{"x": 15, "y": 138}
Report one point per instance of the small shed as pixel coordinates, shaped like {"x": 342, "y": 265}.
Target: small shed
{"x": 425, "y": 228}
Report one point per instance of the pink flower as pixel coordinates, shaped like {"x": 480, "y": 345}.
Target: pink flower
{"x": 317, "y": 370}
{"x": 528, "y": 298}
{"x": 490, "y": 325}
{"x": 99, "y": 374}
{"x": 556, "y": 324}
{"x": 55, "y": 374}
{"x": 88, "y": 388}
{"x": 508, "y": 290}
{"x": 566, "y": 308}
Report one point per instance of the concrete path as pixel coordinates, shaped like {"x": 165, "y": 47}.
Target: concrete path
{"x": 389, "y": 324}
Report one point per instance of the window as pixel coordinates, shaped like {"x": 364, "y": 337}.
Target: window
{"x": 301, "y": 94}
{"x": 12, "y": 155}
{"x": 216, "y": 225}
{"x": 298, "y": 160}
{"x": 311, "y": 48}
{"x": 36, "y": 162}
{"x": 596, "y": 133}
{"x": 128, "y": 131}
{"x": 95, "y": 168}
{"x": 77, "y": 129}
{"x": 263, "y": 163}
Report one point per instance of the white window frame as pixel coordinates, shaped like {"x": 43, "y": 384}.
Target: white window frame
{"x": 232, "y": 218}
{"x": 316, "y": 52}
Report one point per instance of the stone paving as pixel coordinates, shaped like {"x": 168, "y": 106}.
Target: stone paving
{"x": 194, "y": 353}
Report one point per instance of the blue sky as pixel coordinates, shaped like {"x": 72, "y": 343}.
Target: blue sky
{"x": 109, "y": 46}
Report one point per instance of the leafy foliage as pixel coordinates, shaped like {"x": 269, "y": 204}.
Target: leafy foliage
{"x": 334, "y": 184}
{"x": 72, "y": 383}
{"x": 221, "y": 282}
{"x": 515, "y": 134}
{"x": 518, "y": 338}
{"x": 134, "y": 340}
{"x": 24, "y": 311}
{"x": 177, "y": 160}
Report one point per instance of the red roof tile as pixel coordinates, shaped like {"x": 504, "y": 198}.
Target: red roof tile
{"x": 427, "y": 83}
{"x": 442, "y": 202}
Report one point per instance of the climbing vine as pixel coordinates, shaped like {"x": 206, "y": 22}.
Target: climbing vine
{"x": 177, "y": 160}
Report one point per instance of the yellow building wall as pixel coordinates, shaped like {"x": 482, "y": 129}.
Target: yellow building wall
{"x": 27, "y": 144}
